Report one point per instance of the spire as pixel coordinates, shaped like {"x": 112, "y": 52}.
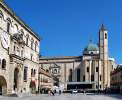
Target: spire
{"x": 90, "y": 39}
{"x": 103, "y": 28}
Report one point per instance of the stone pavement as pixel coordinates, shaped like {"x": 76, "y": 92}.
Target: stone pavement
{"x": 65, "y": 97}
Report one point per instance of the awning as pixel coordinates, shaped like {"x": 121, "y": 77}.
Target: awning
{"x": 81, "y": 82}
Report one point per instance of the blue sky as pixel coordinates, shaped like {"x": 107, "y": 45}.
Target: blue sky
{"x": 66, "y": 26}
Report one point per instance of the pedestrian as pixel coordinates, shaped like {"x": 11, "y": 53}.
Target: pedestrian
{"x": 59, "y": 92}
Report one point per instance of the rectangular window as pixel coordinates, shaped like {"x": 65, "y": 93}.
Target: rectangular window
{"x": 21, "y": 53}
{"x": 87, "y": 69}
{"x": 92, "y": 77}
{"x": 8, "y": 27}
{"x": 100, "y": 86}
{"x": 97, "y": 69}
{"x": 25, "y": 73}
{"x": 31, "y": 56}
{"x": 31, "y": 72}
{"x": 14, "y": 48}
{"x": 83, "y": 78}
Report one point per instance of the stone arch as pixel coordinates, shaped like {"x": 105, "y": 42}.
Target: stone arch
{"x": 3, "y": 86}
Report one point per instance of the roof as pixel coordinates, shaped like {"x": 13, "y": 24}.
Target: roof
{"x": 103, "y": 28}
{"x": 60, "y": 57}
{"x": 117, "y": 70}
{"x": 92, "y": 47}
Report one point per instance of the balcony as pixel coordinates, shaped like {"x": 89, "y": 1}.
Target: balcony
{"x": 14, "y": 56}
{"x": 18, "y": 37}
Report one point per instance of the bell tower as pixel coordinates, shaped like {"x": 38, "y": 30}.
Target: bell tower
{"x": 103, "y": 54}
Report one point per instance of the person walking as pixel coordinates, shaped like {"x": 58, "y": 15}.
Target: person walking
{"x": 59, "y": 92}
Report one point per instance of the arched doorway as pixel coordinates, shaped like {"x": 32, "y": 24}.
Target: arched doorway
{"x": 16, "y": 80}
{"x": 3, "y": 86}
{"x": 70, "y": 75}
{"x": 78, "y": 75}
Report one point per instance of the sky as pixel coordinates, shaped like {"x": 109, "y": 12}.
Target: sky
{"x": 66, "y": 26}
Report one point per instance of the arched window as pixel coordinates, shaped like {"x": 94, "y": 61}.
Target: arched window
{"x": 47, "y": 70}
{"x": 8, "y": 24}
{"x": 16, "y": 28}
{"x": 55, "y": 71}
{"x": 32, "y": 42}
{"x": 105, "y": 35}
{"x": 36, "y": 44}
{"x": 70, "y": 75}
{"x": 27, "y": 39}
{"x": 21, "y": 31}
{"x": 3, "y": 64}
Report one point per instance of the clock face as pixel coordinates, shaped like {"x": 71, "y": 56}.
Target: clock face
{"x": 5, "y": 40}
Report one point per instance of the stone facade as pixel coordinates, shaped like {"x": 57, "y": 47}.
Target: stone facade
{"x": 89, "y": 71}
{"x": 19, "y": 50}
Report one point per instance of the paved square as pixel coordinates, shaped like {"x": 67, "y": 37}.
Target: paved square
{"x": 66, "y": 97}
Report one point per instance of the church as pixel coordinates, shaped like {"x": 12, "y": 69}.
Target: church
{"x": 91, "y": 70}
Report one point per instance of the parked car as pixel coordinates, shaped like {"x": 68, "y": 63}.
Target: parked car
{"x": 74, "y": 91}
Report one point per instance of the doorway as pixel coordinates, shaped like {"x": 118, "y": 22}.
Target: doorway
{"x": 3, "y": 86}
{"x": 16, "y": 76}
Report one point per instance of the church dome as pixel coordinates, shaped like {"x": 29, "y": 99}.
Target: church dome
{"x": 92, "y": 47}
